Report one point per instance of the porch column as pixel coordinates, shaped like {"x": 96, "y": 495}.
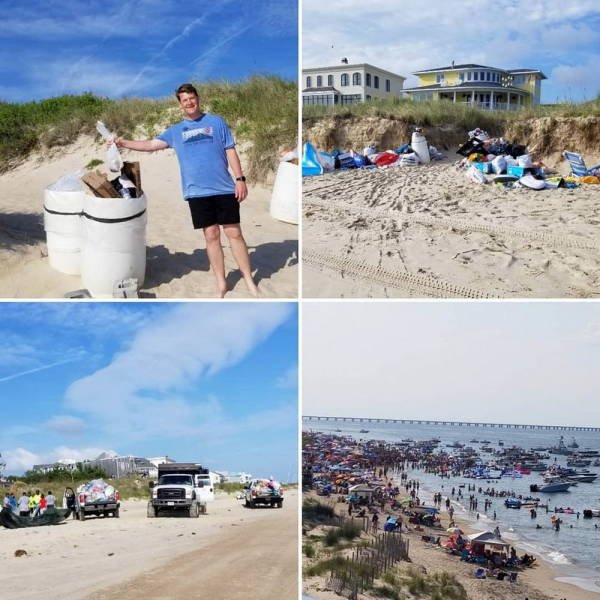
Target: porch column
{"x": 492, "y": 101}
{"x": 508, "y": 101}
{"x": 454, "y": 97}
{"x": 473, "y": 98}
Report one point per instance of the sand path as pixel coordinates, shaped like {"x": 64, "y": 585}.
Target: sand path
{"x": 137, "y": 557}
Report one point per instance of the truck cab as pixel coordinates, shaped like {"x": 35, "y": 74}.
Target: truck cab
{"x": 180, "y": 487}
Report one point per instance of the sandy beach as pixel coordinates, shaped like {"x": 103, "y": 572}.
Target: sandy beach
{"x": 177, "y": 264}
{"x": 535, "y": 583}
{"x": 134, "y": 557}
{"x": 429, "y": 232}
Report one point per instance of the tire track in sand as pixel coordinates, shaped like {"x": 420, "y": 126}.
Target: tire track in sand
{"x": 422, "y": 284}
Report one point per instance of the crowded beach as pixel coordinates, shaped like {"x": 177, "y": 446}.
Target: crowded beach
{"x": 379, "y": 486}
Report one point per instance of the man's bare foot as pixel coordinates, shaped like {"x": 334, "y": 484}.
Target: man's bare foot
{"x": 252, "y": 287}
{"x": 221, "y": 289}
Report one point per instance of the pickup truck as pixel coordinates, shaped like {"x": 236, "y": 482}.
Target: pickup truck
{"x": 263, "y": 491}
{"x": 93, "y": 498}
{"x": 183, "y": 487}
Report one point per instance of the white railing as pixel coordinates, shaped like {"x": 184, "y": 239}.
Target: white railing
{"x": 494, "y": 105}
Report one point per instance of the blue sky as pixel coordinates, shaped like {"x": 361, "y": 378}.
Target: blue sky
{"x": 561, "y": 38}
{"x": 495, "y": 362}
{"x": 214, "y": 383}
{"x": 144, "y": 48}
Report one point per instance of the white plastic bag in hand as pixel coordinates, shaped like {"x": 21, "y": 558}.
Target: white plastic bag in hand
{"x": 113, "y": 156}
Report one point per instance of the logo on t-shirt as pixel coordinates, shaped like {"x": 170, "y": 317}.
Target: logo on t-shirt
{"x": 197, "y": 135}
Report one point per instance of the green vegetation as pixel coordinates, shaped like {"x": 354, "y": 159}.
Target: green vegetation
{"x": 95, "y": 162}
{"x": 440, "y": 586}
{"x": 440, "y": 113}
{"x": 309, "y": 550}
{"x": 230, "y": 488}
{"x": 129, "y": 487}
{"x": 261, "y": 111}
{"x": 313, "y": 511}
{"x": 82, "y": 471}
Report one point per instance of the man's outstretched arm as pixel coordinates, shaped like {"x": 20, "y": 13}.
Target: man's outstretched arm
{"x": 141, "y": 145}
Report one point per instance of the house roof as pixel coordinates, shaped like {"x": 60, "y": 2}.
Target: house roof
{"x": 345, "y": 67}
{"x": 467, "y": 85}
{"x": 454, "y": 67}
{"x": 474, "y": 66}
{"x": 321, "y": 89}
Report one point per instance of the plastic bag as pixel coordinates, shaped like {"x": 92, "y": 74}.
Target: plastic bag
{"x": 69, "y": 183}
{"x": 113, "y": 156}
{"x": 499, "y": 165}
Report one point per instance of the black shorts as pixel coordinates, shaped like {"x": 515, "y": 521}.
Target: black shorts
{"x": 221, "y": 209}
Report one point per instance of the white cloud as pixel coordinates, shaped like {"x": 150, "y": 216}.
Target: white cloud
{"x": 19, "y": 460}
{"x": 575, "y": 80}
{"x": 65, "y": 424}
{"x": 141, "y": 388}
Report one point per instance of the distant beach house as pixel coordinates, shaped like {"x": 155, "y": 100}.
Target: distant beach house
{"x": 349, "y": 84}
{"x": 483, "y": 87}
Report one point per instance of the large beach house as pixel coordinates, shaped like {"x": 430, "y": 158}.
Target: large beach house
{"x": 349, "y": 84}
{"x": 485, "y": 87}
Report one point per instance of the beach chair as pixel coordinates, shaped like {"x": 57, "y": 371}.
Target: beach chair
{"x": 578, "y": 168}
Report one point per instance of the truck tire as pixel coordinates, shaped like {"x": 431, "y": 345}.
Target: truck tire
{"x": 194, "y": 511}
{"x": 151, "y": 512}
{"x": 203, "y": 509}
{"x": 247, "y": 503}
{"x": 279, "y": 503}
{"x": 81, "y": 515}
{"x": 116, "y": 513}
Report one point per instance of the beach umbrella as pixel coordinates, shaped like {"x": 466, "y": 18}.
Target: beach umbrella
{"x": 455, "y": 531}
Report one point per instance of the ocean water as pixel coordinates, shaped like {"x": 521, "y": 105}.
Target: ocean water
{"x": 573, "y": 550}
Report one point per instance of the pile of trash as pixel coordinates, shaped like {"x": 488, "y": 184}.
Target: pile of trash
{"x": 511, "y": 165}
{"x": 97, "y": 490}
{"x": 418, "y": 152}
{"x": 266, "y": 487}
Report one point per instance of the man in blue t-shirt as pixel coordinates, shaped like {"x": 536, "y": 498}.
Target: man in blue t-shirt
{"x": 205, "y": 149}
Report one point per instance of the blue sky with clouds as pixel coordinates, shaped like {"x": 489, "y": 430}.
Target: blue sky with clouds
{"x": 209, "y": 382}
{"x": 561, "y": 38}
{"x": 144, "y": 48}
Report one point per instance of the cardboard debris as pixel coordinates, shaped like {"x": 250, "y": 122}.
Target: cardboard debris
{"x": 100, "y": 185}
{"x": 133, "y": 172}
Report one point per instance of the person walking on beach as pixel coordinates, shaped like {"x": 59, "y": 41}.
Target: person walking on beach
{"x": 24, "y": 505}
{"x": 205, "y": 149}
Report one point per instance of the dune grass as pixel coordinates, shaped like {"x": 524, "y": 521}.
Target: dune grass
{"x": 444, "y": 113}
{"x": 262, "y": 112}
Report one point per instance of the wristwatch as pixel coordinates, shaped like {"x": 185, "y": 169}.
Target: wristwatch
{"x": 240, "y": 178}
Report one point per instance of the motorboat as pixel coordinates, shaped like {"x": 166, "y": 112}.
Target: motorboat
{"x": 550, "y": 488}
{"x": 583, "y": 477}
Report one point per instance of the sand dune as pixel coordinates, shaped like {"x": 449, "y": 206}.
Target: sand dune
{"x": 177, "y": 264}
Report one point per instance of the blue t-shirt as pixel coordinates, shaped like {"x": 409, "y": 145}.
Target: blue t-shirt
{"x": 200, "y": 146}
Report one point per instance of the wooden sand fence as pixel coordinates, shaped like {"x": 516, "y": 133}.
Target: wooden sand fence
{"x": 359, "y": 571}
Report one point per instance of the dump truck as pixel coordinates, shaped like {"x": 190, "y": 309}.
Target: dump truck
{"x": 181, "y": 487}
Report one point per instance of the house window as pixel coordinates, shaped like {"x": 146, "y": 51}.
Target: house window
{"x": 356, "y": 79}
{"x": 344, "y": 80}
{"x": 488, "y": 76}
{"x": 475, "y": 76}
{"x": 330, "y": 80}
{"x": 376, "y": 82}
{"x": 482, "y": 75}
{"x": 439, "y": 78}
{"x": 319, "y": 81}
{"x": 468, "y": 75}
{"x": 309, "y": 81}
{"x": 351, "y": 99}
{"x": 368, "y": 79}
{"x": 461, "y": 77}
{"x": 388, "y": 85}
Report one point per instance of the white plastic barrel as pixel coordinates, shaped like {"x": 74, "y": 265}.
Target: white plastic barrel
{"x": 114, "y": 243}
{"x": 284, "y": 199}
{"x": 420, "y": 147}
{"x": 64, "y": 235}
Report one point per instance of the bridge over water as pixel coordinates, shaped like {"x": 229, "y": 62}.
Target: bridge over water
{"x": 464, "y": 424}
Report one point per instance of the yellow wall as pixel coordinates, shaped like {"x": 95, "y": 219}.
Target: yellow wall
{"x": 428, "y": 79}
